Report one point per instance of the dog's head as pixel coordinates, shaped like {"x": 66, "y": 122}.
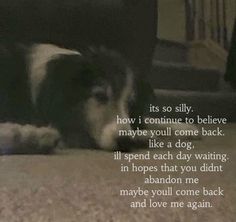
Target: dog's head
{"x": 111, "y": 93}
{"x": 82, "y": 95}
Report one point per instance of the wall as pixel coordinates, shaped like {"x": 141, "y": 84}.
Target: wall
{"x": 171, "y": 20}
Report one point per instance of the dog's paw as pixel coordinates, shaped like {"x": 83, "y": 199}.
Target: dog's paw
{"x": 27, "y": 139}
{"x": 48, "y": 137}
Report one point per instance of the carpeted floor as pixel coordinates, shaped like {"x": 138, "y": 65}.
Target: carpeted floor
{"x": 83, "y": 186}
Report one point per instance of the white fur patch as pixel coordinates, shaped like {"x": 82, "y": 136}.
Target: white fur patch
{"x": 102, "y": 117}
{"x": 16, "y": 138}
{"x": 39, "y": 56}
{"x": 126, "y": 93}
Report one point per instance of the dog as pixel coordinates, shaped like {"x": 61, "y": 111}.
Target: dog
{"x": 50, "y": 94}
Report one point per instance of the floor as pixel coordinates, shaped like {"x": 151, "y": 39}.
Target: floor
{"x": 83, "y": 185}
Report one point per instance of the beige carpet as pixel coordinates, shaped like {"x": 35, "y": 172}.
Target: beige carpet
{"x": 83, "y": 186}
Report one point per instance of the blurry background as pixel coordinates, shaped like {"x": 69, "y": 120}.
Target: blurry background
{"x": 194, "y": 39}
{"x": 180, "y": 47}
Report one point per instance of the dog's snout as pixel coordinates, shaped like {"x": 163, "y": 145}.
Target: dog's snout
{"x": 124, "y": 143}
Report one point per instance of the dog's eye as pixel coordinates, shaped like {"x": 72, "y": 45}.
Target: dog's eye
{"x": 100, "y": 95}
{"x": 132, "y": 98}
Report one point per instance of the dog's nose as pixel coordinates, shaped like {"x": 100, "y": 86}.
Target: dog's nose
{"x": 124, "y": 143}
{"x": 127, "y": 144}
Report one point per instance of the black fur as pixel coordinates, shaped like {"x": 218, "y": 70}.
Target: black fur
{"x": 67, "y": 86}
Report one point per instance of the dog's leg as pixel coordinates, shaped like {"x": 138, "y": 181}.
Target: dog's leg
{"x": 27, "y": 139}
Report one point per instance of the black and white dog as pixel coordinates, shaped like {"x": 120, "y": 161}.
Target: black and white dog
{"x": 49, "y": 93}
